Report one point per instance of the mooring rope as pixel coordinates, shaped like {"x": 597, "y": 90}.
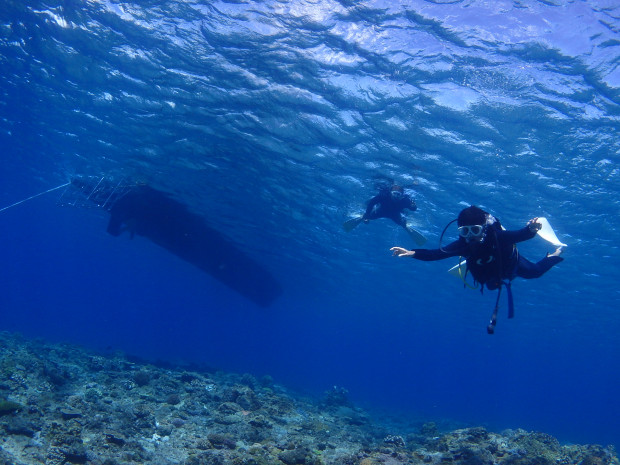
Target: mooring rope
{"x": 35, "y": 196}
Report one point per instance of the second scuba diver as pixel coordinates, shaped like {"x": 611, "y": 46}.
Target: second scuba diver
{"x": 390, "y": 203}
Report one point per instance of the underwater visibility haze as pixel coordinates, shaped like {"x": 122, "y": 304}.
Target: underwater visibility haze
{"x": 275, "y": 121}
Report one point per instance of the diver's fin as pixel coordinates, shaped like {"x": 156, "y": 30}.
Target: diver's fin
{"x": 417, "y": 237}
{"x": 548, "y": 234}
{"x": 351, "y": 224}
{"x": 458, "y": 270}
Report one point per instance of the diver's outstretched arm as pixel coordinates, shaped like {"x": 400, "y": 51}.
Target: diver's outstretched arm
{"x": 454, "y": 249}
{"x": 402, "y": 252}
{"x": 524, "y": 234}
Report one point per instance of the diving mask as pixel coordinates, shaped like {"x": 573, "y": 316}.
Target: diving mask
{"x": 474, "y": 231}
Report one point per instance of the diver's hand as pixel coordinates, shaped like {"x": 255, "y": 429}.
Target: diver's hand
{"x": 402, "y": 252}
{"x": 534, "y": 225}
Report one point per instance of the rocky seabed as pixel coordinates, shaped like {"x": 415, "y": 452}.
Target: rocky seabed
{"x": 63, "y": 405}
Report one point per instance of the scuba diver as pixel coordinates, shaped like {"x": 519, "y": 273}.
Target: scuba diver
{"x": 490, "y": 252}
{"x": 388, "y": 203}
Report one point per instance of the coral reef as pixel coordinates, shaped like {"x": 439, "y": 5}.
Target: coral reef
{"x": 62, "y": 405}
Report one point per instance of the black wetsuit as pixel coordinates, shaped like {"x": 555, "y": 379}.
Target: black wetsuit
{"x": 495, "y": 259}
{"x": 383, "y": 205}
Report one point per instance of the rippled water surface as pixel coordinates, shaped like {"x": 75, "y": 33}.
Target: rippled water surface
{"x": 275, "y": 120}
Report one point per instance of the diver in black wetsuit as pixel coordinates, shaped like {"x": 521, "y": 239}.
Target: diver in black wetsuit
{"x": 490, "y": 251}
{"x": 390, "y": 203}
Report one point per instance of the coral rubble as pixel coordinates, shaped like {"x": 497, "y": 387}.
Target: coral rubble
{"x": 62, "y": 405}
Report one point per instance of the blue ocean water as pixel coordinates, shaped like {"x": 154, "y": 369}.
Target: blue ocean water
{"x": 275, "y": 120}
